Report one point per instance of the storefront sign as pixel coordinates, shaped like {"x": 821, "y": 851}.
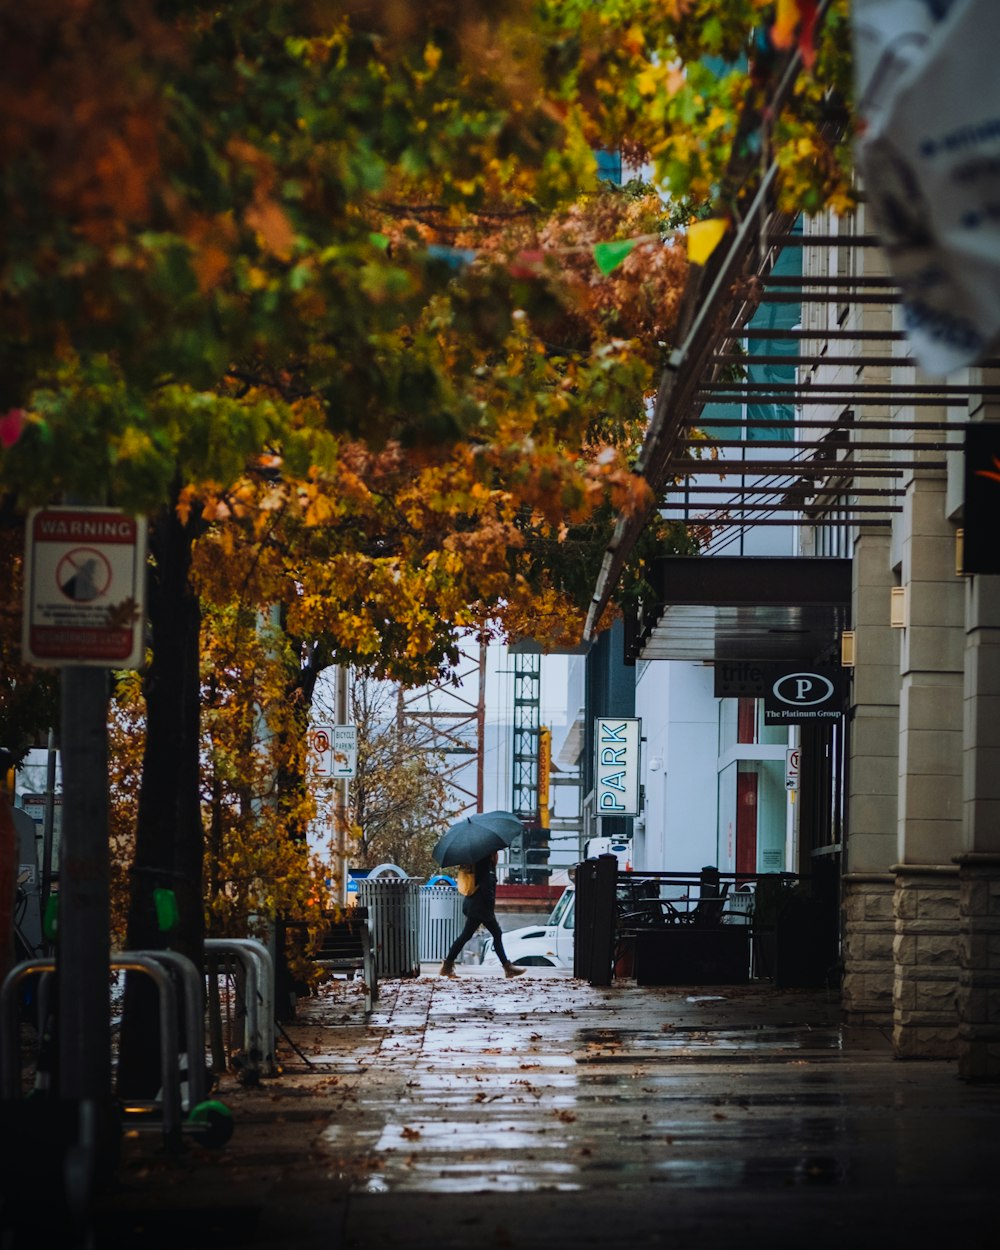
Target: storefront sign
{"x": 799, "y": 694}
{"x": 740, "y": 679}
{"x": 617, "y": 766}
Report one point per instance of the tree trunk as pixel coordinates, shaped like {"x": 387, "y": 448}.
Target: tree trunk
{"x": 170, "y": 836}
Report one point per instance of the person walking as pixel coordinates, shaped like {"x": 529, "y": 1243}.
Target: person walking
{"x": 479, "y": 908}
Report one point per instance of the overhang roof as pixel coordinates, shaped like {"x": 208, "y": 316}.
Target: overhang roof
{"x": 742, "y": 608}
{"x": 825, "y": 471}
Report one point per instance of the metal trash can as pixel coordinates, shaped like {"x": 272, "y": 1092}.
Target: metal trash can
{"x": 441, "y": 921}
{"x": 394, "y": 909}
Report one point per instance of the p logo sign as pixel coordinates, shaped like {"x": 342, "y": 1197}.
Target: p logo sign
{"x": 796, "y": 695}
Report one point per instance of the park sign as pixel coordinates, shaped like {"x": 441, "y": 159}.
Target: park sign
{"x": 616, "y": 773}
{"x": 84, "y": 588}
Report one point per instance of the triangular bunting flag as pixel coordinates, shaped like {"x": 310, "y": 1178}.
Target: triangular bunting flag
{"x": 787, "y": 19}
{"x": 703, "y": 237}
{"x": 608, "y": 256}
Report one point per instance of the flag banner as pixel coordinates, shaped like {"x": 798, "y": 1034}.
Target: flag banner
{"x": 608, "y": 256}
{"x": 703, "y": 237}
{"x": 928, "y": 105}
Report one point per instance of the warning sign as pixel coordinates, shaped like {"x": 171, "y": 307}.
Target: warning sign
{"x": 335, "y": 750}
{"x": 84, "y": 587}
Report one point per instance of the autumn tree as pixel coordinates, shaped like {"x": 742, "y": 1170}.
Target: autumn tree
{"x": 235, "y": 274}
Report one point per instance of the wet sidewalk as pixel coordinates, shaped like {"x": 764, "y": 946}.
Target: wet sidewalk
{"x": 546, "y": 1113}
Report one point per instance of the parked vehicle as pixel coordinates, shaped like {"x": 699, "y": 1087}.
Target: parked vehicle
{"x": 621, "y": 848}
{"x": 541, "y": 946}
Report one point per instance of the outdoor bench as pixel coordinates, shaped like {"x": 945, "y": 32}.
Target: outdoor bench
{"x": 347, "y": 946}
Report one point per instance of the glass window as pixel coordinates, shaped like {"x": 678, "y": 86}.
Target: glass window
{"x": 563, "y": 906}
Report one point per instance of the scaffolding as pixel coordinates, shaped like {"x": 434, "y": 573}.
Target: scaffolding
{"x": 451, "y": 715}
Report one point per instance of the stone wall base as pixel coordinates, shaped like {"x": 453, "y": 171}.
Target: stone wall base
{"x": 978, "y": 998}
{"x": 868, "y": 932}
{"x": 926, "y": 958}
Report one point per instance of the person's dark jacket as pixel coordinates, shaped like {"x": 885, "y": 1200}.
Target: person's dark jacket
{"x": 483, "y": 902}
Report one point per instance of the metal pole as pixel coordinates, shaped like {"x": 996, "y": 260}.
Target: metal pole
{"x": 481, "y": 725}
{"x": 340, "y": 815}
{"x": 49, "y": 820}
{"x": 83, "y": 944}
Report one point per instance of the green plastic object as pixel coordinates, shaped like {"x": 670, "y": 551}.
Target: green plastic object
{"x": 50, "y": 921}
{"x": 214, "y": 1120}
{"x": 167, "y": 915}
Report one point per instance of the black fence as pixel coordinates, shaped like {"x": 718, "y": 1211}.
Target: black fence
{"x": 705, "y": 928}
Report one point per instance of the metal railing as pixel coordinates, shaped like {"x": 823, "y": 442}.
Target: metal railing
{"x": 740, "y": 926}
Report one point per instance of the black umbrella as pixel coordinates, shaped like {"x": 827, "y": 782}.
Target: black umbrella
{"x": 472, "y": 837}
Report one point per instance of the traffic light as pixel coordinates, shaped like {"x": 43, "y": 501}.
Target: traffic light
{"x": 536, "y": 856}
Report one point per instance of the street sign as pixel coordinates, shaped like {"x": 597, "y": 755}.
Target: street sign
{"x": 345, "y": 751}
{"x": 321, "y": 749}
{"x": 335, "y": 751}
{"x": 617, "y": 765}
{"x": 84, "y": 588}
{"x": 792, "y": 768}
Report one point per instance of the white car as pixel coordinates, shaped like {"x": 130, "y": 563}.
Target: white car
{"x": 541, "y": 946}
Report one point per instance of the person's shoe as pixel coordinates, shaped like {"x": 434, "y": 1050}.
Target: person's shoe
{"x": 512, "y": 970}
{"x": 447, "y": 969}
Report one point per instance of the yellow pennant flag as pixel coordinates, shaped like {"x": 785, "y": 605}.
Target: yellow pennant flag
{"x": 787, "y": 17}
{"x": 703, "y": 237}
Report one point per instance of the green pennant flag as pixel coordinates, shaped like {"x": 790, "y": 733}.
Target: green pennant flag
{"x": 380, "y": 241}
{"x": 608, "y": 256}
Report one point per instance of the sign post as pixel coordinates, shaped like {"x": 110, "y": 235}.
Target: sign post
{"x": 84, "y": 595}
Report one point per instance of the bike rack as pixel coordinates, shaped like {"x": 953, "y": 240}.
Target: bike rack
{"x": 194, "y": 1019}
{"x": 259, "y": 967}
{"x": 126, "y": 961}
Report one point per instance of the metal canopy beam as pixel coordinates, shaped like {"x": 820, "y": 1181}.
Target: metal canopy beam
{"x": 826, "y": 336}
{"x": 739, "y": 506}
{"x": 751, "y": 522}
{"x": 806, "y": 492}
{"x": 829, "y": 468}
{"x": 804, "y": 444}
{"x": 904, "y": 399}
{"x": 794, "y": 423}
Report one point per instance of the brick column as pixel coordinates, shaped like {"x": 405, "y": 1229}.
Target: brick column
{"x": 867, "y": 931}
{"x": 925, "y": 950}
{"x": 868, "y": 934}
{"x": 979, "y": 975}
{"x": 979, "y": 862}
{"x": 925, "y": 1021}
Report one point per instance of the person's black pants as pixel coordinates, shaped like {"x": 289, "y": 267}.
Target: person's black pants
{"x": 473, "y": 920}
